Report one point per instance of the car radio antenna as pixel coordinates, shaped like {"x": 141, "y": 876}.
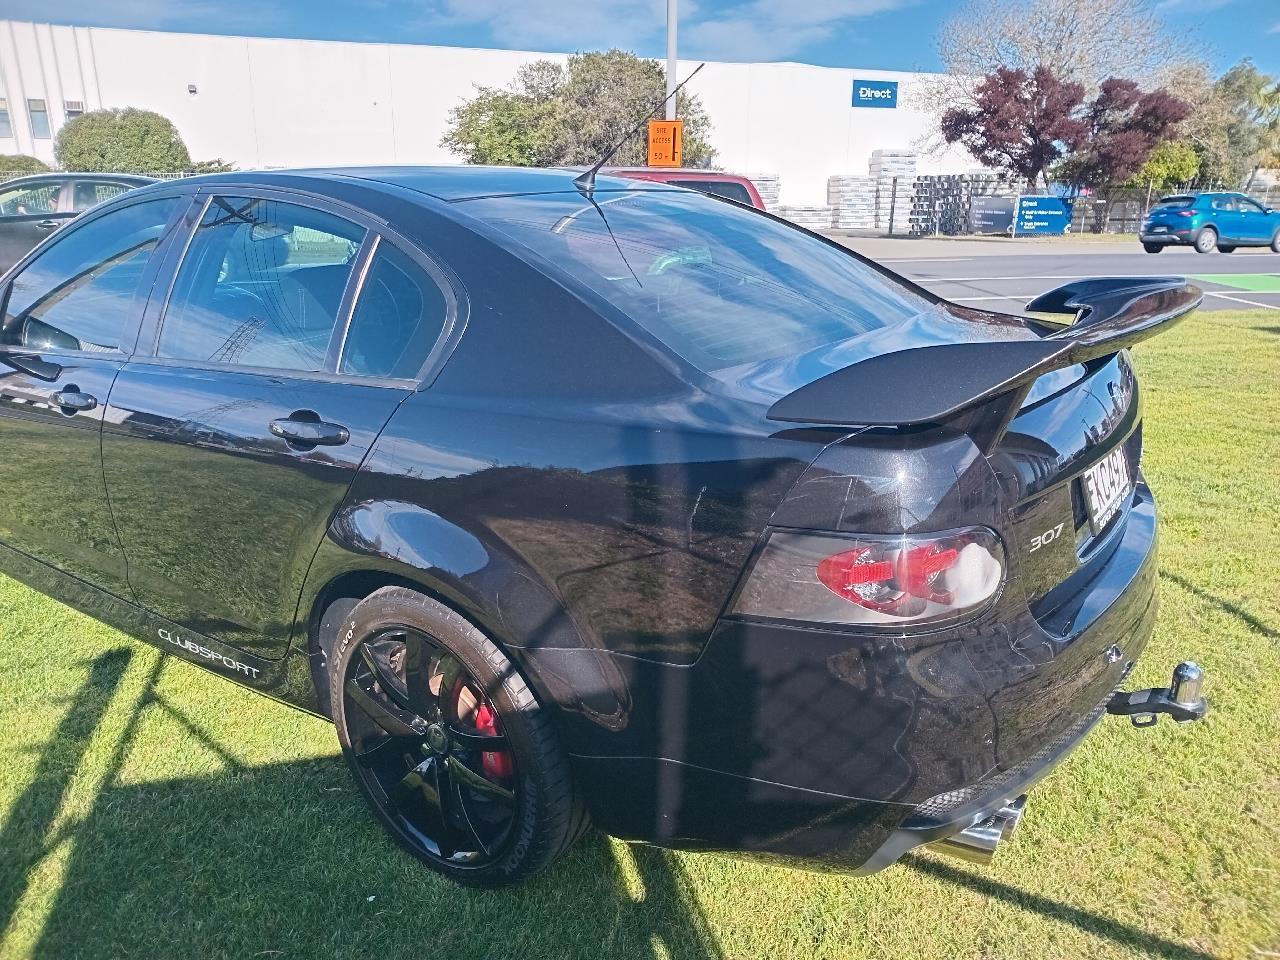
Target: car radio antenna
{"x": 586, "y": 182}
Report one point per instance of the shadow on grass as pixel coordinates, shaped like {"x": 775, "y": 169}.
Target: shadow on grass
{"x": 25, "y": 838}
{"x": 284, "y": 861}
{"x": 1227, "y": 606}
{"x": 1145, "y": 944}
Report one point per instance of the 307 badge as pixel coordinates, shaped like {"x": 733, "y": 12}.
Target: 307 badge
{"x": 1106, "y": 484}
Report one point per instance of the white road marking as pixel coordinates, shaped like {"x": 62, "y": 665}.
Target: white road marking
{"x": 1252, "y": 303}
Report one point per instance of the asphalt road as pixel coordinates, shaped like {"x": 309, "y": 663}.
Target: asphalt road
{"x": 999, "y": 274}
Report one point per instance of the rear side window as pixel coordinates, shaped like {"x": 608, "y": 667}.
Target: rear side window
{"x": 717, "y": 188}
{"x": 78, "y": 294}
{"x": 398, "y": 318}
{"x": 261, "y": 285}
{"x": 1223, "y": 203}
{"x": 719, "y": 285}
{"x": 90, "y": 193}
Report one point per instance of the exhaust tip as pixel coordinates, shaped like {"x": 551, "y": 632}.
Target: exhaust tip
{"x": 978, "y": 843}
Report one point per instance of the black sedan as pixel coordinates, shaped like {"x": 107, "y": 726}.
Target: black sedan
{"x": 33, "y": 207}
{"x": 605, "y": 503}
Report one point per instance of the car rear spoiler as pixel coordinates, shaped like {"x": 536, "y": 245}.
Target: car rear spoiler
{"x": 934, "y": 384}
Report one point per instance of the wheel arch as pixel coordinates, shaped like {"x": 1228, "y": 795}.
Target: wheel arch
{"x": 486, "y": 584}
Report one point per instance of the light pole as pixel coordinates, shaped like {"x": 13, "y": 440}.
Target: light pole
{"x": 671, "y": 59}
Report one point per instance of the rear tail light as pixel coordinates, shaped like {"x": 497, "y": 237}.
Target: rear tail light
{"x": 1186, "y": 213}
{"x": 874, "y": 580}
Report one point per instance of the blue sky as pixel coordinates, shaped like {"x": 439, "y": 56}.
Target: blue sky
{"x": 883, "y": 34}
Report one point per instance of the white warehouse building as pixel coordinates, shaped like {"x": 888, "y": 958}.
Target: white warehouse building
{"x": 260, "y": 102}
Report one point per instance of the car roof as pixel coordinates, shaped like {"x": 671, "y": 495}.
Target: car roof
{"x": 77, "y": 175}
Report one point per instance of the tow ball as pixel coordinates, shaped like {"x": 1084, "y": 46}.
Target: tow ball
{"x": 1181, "y": 700}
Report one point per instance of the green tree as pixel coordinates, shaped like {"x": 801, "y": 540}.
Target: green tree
{"x": 572, "y": 113}
{"x": 1171, "y": 164}
{"x": 21, "y": 163}
{"x": 121, "y": 141}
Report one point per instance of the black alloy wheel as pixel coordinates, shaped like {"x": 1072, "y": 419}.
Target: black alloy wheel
{"x": 447, "y": 744}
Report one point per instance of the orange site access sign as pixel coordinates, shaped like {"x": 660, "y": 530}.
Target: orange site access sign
{"x": 666, "y": 143}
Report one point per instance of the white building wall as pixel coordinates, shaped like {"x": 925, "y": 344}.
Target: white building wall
{"x": 276, "y": 103}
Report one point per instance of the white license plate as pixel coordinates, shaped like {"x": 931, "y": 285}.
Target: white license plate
{"x": 1159, "y": 229}
{"x": 1106, "y": 485}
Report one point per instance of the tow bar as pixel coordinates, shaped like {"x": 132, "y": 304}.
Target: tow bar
{"x": 1181, "y": 700}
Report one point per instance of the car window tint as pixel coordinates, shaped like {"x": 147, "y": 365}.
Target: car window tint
{"x": 717, "y": 188}
{"x": 1223, "y": 203}
{"x": 1174, "y": 203}
{"x": 397, "y": 319}
{"x": 89, "y": 193}
{"x": 719, "y": 285}
{"x": 33, "y": 198}
{"x": 1245, "y": 205}
{"x": 78, "y": 293}
{"x": 260, "y": 285}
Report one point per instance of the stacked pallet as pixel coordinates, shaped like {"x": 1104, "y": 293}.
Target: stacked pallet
{"x": 888, "y": 166}
{"x": 814, "y": 217}
{"x": 768, "y": 185}
{"x": 853, "y": 202}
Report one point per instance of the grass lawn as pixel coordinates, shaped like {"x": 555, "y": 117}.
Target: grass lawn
{"x": 149, "y": 809}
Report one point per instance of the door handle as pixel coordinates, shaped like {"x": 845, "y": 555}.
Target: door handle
{"x": 308, "y": 432}
{"x": 73, "y": 400}
{"x": 46, "y": 224}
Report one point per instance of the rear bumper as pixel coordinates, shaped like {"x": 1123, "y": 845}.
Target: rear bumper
{"x": 843, "y": 751}
{"x": 1180, "y": 236}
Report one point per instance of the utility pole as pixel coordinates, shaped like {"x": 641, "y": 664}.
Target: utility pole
{"x": 671, "y": 58}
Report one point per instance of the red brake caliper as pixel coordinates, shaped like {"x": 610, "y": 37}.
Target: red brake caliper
{"x": 493, "y": 764}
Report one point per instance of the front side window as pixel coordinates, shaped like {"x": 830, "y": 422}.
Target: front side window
{"x": 719, "y": 285}
{"x": 261, "y": 285}
{"x": 39, "y": 114}
{"x": 398, "y": 318}
{"x": 90, "y": 193}
{"x": 1245, "y": 205}
{"x": 78, "y": 294}
{"x": 30, "y": 199}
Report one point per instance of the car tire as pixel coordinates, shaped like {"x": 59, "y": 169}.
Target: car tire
{"x": 414, "y": 686}
{"x": 1222, "y": 249}
{"x": 1206, "y": 240}
{"x": 1153, "y": 247}
{"x": 1275, "y": 243}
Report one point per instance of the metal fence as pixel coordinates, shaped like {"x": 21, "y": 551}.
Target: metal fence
{"x": 1122, "y": 210}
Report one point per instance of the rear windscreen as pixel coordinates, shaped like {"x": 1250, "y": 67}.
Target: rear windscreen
{"x": 719, "y": 285}
{"x": 717, "y": 188}
{"x": 1174, "y": 203}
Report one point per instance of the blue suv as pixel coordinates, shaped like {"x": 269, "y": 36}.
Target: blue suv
{"x": 1209, "y": 221}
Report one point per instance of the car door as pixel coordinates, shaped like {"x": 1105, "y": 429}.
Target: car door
{"x": 230, "y": 447}
{"x": 1252, "y": 221}
{"x": 29, "y": 212}
{"x": 70, "y": 317}
{"x": 1222, "y": 211}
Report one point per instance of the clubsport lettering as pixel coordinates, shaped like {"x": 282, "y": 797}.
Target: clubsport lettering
{"x": 211, "y": 655}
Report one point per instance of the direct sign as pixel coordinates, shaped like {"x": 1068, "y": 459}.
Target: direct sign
{"x": 1042, "y": 215}
{"x": 666, "y": 143}
{"x": 991, "y": 214}
{"x": 875, "y": 93}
